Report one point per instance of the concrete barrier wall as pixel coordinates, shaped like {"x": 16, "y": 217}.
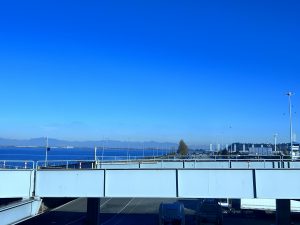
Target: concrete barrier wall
{"x": 70, "y": 183}
{"x": 165, "y": 183}
{"x": 153, "y": 183}
{"x": 141, "y": 183}
{"x": 198, "y": 165}
{"x": 161, "y": 164}
{"x": 151, "y": 165}
{"x": 215, "y": 184}
{"x": 19, "y": 211}
{"x": 278, "y": 184}
{"x": 119, "y": 166}
{"x": 260, "y": 165}
{"x": 172, "y": 165}
{"x": 239, "y": 165}
{"x": 212, "y": 165}
{"x": 295, "y": 165}
{"x": 251, "y": 165}
{"x": 16, "y": 183}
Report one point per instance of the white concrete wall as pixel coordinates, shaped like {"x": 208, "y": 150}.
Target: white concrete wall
{"x": 119, "y": 166}
{"x": 239, "y": 165}
{"x": 19, "y": 211}
{"x": 162, "y": 164}
{"x": 215, "y": 184}
{"x": 70, "y": 183}
{"x": 217, "y": 164}
{"x": 278, "y": 184}
{"x": 151, "y": 165}
{"x": 190, "y": 183}
{"x": 16, "y": 183}
{"x": 295, "y": 165}
{"x": 141, "y": 183}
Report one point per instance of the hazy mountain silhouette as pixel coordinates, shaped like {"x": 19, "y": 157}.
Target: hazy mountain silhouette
{"x": 38, "y": 142}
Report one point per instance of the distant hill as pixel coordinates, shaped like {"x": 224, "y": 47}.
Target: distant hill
{"x": 38, "y": 142}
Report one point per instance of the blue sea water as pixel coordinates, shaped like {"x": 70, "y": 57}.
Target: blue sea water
{"x": 39, "y": 154}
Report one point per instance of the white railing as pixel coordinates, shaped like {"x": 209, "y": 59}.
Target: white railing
{"x": 163, "y": 161}
{"x": 16, "y": 164}
{"x": 66, "y": 164}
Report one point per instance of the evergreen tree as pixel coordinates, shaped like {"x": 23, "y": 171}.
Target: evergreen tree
{"x": 182, "y": 148}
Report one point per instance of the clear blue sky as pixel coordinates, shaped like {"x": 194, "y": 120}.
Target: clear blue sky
{"x": 149, "y": 70}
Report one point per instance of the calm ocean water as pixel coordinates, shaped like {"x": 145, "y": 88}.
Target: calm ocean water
{"x": 38, "y": 154}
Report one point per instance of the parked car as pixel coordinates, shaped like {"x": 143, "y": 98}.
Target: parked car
{"x": 209, "y": 211}
{"x": 171, "y": 214}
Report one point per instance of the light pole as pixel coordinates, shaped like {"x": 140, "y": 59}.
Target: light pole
{"x": 290, "y": 94}
{"x": 275, "y": 142}
{"x": 95, "y": 153}
{"x": 231, "y": 146}
{"x": 47, "y": 149}
{"x": 103, "y": 142}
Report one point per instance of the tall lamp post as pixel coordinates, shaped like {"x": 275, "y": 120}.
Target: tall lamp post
{"x": 47, "y": 149}
{"x": 290, "y": 94}
{"x": 275, "y": 142}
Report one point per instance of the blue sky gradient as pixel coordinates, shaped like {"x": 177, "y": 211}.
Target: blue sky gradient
{"x": 205, "y": 71}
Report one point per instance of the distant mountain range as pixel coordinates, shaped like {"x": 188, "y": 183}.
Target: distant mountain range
{"x": 38, "y": 142}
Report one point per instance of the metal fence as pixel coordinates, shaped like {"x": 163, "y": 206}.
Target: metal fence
{"x": 66, "y": 164}
{"x": 164, "y": 162}
{"x": 10, "y": 164}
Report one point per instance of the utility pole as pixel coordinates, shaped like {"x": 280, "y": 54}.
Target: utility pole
{"x": 290, "y": 94}
{"x": 47, "y": 148}
{"x": 103, "y": 143}
{"x": 275, "y": 142}
{"x": 95, "y": 154}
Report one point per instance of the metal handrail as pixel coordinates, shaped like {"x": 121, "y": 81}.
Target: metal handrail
{"x": 17, "y": 164}
{"x": 92, "y": 164}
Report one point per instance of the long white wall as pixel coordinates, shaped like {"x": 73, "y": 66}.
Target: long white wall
{"x": 16, "y": 212}
{"x": 16, "y": 183}
{"x": 170, "y": 183}
{"x": 149, "y": 183}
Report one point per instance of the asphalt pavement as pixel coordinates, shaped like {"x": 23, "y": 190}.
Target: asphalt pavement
{"x": 133, "y": 211}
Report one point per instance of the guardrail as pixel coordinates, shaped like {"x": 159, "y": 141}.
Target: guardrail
{"x": 66, "y": 164}
{"x": 170, "y": 163}
{"x": 13, "y": 164}
{"x": 92, "y": 164}
{"x": 206, "y": 157}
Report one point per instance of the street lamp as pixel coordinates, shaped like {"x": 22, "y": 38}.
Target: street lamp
{"x": 290, "y": 94}
{"x": 47, "y": 149}
{"x": 275, "y": 142}
{"x": 95, "y": 153}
